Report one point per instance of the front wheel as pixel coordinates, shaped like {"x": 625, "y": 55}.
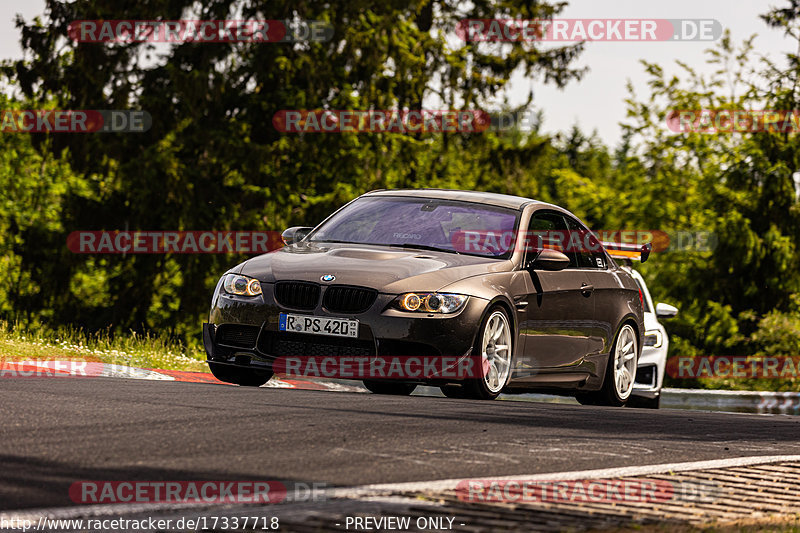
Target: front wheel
{"x": 388, "y": 387}
{"x": 494, "y": 349}
{"x": 240, "y": 376}
{"x": 454, "y": 391}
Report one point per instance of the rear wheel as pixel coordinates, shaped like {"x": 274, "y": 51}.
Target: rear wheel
{"x": 389, "y": 387}
{"x": 240, "y": 376}
{"x": 620, "y": 372}
{"x": 494, "y": 353}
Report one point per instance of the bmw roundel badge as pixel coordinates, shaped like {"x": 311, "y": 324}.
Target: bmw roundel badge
{"x": 328, "y": 277}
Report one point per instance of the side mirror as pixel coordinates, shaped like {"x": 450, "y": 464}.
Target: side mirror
{"x": 666, "y": 310}
{"x": 295, "y": 234}
{"x": 549, "y": 259}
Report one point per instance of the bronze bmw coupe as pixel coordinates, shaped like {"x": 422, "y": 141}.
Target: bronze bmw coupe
{"x": 477, "y": 293}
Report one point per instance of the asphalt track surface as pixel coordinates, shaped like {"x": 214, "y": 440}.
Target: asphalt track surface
{"x": 56, "y": 431}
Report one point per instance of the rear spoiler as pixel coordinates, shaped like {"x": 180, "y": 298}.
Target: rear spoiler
{"x": 619, "y": 250}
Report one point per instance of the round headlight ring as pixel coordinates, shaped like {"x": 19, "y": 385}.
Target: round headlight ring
{"x": 410, "y": 302}
{"x": 239, "y": 285}
{"x": 433, "y": 303}
{"x": 253, "y": 287}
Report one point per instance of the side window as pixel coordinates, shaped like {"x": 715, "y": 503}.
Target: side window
{"x": 598, "y": 253}
{"x": 548, "y": 230}
{"x": 582, "y": 243}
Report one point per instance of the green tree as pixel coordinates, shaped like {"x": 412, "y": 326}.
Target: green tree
{"x": 213, "y": 159}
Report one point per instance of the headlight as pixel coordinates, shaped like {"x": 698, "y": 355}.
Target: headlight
{"x": 241, "y": 285}
{"x": 653, "y": 338}
{"x": 431, "y": 302}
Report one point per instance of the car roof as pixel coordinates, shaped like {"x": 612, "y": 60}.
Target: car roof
{"x": 491, "y": 198}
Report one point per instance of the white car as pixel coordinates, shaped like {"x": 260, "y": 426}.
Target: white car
{"x": 652, "y": 362}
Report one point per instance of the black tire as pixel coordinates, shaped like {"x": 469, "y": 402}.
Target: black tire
{"x": 608, "y": 394}
{"x": 587, "y": 398}
{"x": 389, "y": 387}
{"x": 476, "y": 388}
{"x": 240, "y": 376}
{"x": 454, "y": 391}
{"x": 644, "y": 403}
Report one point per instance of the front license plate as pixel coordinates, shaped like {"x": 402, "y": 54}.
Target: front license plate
{"x": 318, "y": 325}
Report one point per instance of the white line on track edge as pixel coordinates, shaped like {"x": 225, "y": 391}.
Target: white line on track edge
{"x": 625, "y": 471}
{"x": 365, "y": 491}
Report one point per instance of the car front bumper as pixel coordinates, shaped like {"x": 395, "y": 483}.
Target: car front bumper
{"x": 244, "y": 332}
{"x": 649, "y": 373}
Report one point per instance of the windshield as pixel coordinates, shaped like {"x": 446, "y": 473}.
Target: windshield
{"x": 419, "y": 222}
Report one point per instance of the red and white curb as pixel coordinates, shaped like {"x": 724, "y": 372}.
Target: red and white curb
{"x": 72, "y": 368}
{"x": 761, "y": 402}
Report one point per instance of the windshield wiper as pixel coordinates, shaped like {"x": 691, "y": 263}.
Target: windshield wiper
{"x": 408, "y": 245}
{"x": 334, "y": 241}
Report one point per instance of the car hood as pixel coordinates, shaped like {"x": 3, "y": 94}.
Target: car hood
{"x": 389, "y": 270}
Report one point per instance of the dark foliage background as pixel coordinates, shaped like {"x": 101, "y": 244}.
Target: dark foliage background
{"x": 213, "y": 160}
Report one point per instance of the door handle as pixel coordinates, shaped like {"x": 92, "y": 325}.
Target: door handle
{"x": 587, "y": 289}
